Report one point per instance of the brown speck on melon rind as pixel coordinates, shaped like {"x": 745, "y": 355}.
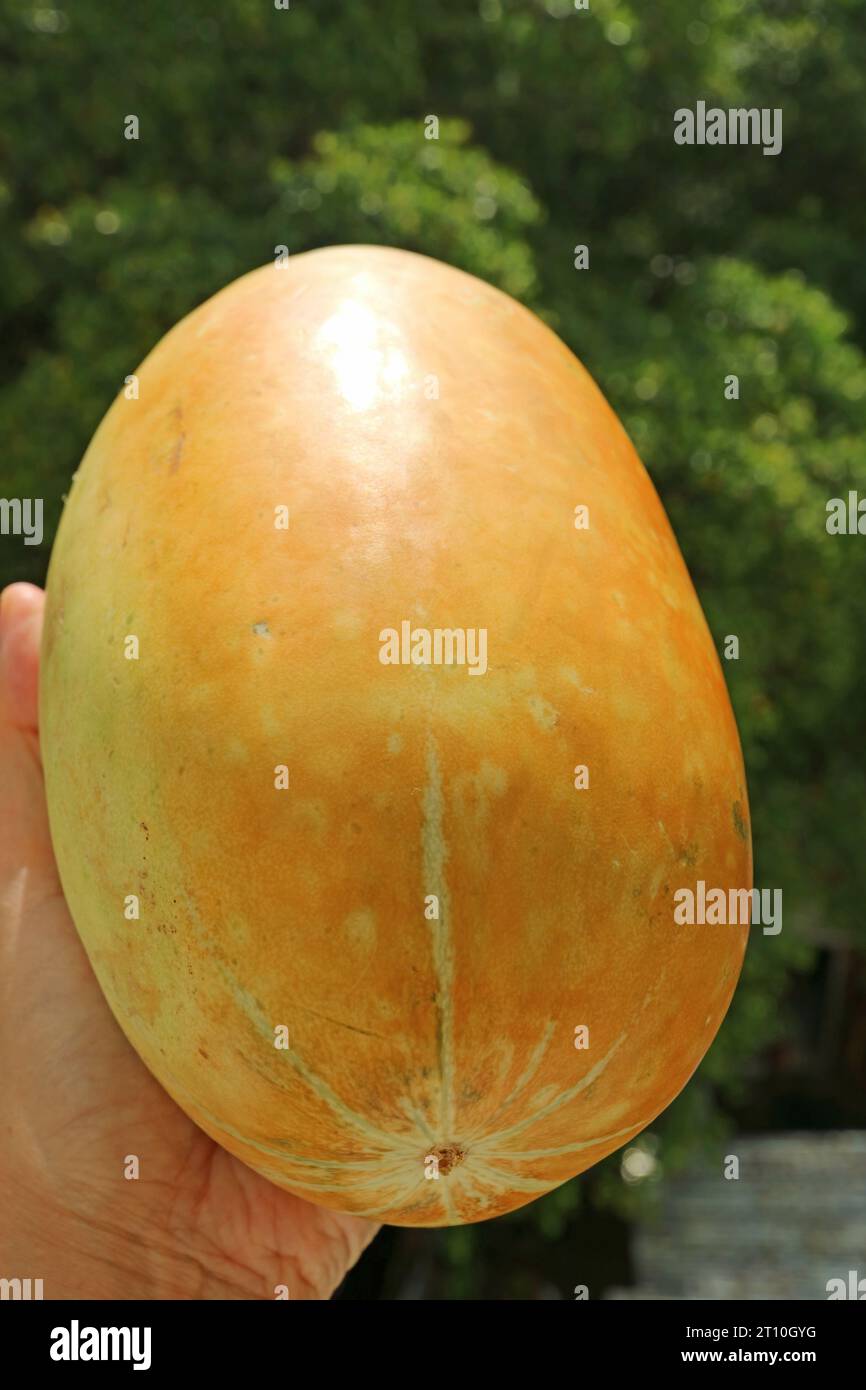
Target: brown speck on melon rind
{"x": 176, "y": 453}
{"x": 739, "y": 824}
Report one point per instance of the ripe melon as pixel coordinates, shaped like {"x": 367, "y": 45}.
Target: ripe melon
{"x": 394, "y": 949}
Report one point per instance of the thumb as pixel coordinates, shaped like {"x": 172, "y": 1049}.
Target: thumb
{"x": 26, "y": 859}
{"x": 21, "y": 609}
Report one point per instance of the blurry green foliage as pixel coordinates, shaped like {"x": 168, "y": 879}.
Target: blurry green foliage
{"x": 305, "y": 127}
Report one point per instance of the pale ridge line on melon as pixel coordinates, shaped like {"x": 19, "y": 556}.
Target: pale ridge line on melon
{"x": 470, "y": 1191}
{"x": 284, "y": 1179}
{"x": 392, "y": 1144}
{"x": 381, "y": 1176}
{"x": 385, "y": 1140}
{"x": 577, "y": 1147}
{"x": 492, "y": 1182}
{"x": 592, "y": 1075}
{"x": 434, "y": 857}
{"x": 400, "y": 1195}
{"x": 531, "y": 1068}
{"x": 505, "y": 1181}
{"x": 316, "y": 1083}
{"x": 249, "y": 1005}
{"x": 370, "y": 1213}
{"x": 444, "y": 1193}
{"x": 411, "y": 1113}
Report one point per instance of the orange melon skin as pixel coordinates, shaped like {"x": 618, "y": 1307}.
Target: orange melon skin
{"x": 431, "y": 440}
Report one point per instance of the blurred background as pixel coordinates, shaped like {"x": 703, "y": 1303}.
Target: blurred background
{"x": 305, "y": 127}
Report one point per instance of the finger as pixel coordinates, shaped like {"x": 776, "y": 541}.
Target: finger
{"x": 27, "y": 870}
{"x": 21, "y": 610}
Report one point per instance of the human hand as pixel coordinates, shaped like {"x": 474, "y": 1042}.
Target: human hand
{"x": 76, "y": 1099}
